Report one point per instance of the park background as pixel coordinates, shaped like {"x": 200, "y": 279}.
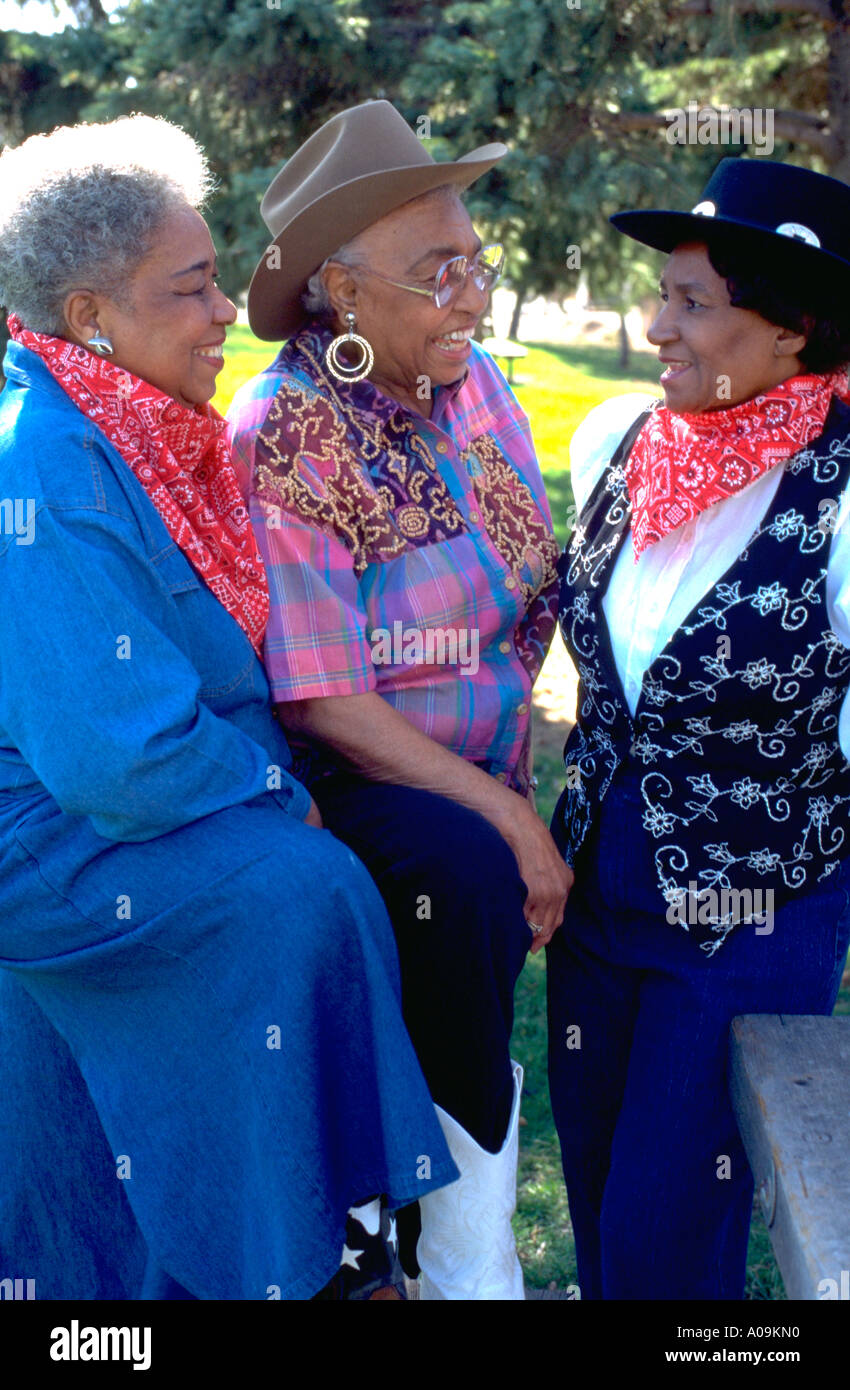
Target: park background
{"x": 585, "y": 95}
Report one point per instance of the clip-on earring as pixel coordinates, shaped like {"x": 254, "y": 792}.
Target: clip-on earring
{"x": 101, "y": 344}
{"x": 347, "y": 371}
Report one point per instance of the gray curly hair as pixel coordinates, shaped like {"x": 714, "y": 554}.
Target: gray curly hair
{"x": 80, "y": 207}
{"x": 315, "y": 297}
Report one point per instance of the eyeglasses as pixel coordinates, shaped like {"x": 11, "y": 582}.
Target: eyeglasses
{"x": 485, "y": 268}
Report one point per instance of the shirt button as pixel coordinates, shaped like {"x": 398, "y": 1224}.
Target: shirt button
{"x": 501, "y": 777}
{"x": 474, "y": 516}
{"x": 504, "y": 647}
{"x": 510, "y": 582}
{"x": 442, "y": 448}
{"x": 522, "y": 709}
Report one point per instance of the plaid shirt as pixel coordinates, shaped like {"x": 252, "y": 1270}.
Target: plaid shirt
{"x": 410, "y": 556}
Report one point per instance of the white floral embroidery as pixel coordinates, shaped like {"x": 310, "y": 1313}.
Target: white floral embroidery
{"x": 746, "y": 792}
{"x": 764, "y": 861}
{"x": 581, "y": 606}
{"x": 787, "y": 721}
{"x": 658, "y": 822}
{"x": 758, "y": 673}
{"x": 788, "y": 524}
{"x": 740, "y": 732}
{"x": 769, "y": 597}
{"x": 817, "y": 756}
{"x": 654, "y": 692}
{"x": 645, "y": 749}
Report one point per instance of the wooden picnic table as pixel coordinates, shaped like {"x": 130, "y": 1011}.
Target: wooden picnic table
{"x": 790, "y": 1085}
{"x": 507, "y": 349}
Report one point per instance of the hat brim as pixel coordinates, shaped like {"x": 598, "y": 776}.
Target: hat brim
{"x": 274, "y": 296}
{"x": 664, "y": 231}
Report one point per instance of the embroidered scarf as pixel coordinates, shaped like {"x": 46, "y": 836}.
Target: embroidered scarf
{"x": 181, "y": 458}
{"x": 682, "y": 464}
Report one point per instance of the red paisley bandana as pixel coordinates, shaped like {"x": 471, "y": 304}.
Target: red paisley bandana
{"x": 182, "y": 460}
{"x": 682, "y": 464}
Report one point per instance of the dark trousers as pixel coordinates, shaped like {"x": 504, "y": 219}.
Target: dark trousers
{"x": 453, "y": 892}
{"x": 659, "y": 1187}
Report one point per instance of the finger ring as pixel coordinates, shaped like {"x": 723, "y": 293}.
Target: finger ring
{"x": 534, "y": 927}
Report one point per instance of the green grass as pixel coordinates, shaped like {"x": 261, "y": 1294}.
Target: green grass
{"x": 244, "y": 356}
{"x": 557, "y": 387}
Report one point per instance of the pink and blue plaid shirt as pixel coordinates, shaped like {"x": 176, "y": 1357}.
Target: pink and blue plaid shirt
{"x": 410, "y": 556}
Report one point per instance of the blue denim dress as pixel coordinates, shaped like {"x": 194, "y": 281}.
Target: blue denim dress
{"x": 203, "y": 1062}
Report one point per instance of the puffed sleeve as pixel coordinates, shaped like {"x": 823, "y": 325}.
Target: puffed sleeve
{"x": 597, "y": 437}
{"x": 126, "y": 742}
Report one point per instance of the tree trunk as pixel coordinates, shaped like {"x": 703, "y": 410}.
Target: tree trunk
{"x": 624, "y": 358}
{"x": 838, "y": 86}
{"x": 515, "y": 316}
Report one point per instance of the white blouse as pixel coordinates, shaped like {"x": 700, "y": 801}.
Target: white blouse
{"x": 646, "y": 602}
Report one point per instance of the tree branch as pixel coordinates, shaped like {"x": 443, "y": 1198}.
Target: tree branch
{"x": 797, "y": 126}
{"x": 819, "y": 9}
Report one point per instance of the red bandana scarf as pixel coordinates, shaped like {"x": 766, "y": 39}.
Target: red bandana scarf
{"x": 181, "y": 458}
{"x": 682, "y": 464}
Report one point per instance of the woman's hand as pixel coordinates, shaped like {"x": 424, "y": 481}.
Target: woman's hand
{"x": 380, "y": 744}
{"x": 546, "y": 876}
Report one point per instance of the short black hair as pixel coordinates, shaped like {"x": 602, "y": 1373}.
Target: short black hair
{"x": 767, "y": 280}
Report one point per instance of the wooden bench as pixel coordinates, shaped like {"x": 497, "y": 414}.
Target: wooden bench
{"x": 790, "y": 1086}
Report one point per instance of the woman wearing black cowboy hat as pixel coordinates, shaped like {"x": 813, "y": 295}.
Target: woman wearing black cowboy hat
{"x": 706, "y": 602}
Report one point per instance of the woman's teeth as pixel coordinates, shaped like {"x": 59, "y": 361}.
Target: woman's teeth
{"x": 456, "y": 338}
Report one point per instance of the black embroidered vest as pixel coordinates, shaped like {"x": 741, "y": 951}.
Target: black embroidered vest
{"x": 735, "y": 732}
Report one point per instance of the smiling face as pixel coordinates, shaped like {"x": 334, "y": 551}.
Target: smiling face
{"x": 410, "y": 337}
{"x": 171, "y": 329}
{"x": 715, "y": 355}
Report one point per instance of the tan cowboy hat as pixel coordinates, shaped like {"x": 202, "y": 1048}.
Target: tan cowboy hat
{"x": 360, "y": 165}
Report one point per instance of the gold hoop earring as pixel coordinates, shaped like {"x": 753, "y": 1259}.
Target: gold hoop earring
{"x": 347, "y": 371}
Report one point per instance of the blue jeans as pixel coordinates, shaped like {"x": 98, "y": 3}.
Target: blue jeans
{"x": 640, "y": 1093}
{"x": 460, "y": 963}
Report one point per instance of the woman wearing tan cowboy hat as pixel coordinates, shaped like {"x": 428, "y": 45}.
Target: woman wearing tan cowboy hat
{"x": 401, "y": 513}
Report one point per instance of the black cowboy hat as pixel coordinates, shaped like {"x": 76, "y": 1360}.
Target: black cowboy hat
{"x": 802, "y": 217}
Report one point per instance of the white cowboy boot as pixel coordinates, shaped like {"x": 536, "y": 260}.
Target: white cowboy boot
{"x": 466, "y": 1250}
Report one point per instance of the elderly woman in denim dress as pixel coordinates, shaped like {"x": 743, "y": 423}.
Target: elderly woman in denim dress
{"x": 401, "y": 513}
{"x": 204, "y": 1063}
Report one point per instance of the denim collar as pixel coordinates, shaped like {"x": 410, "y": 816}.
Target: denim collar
{"x": 26, "y": 368}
